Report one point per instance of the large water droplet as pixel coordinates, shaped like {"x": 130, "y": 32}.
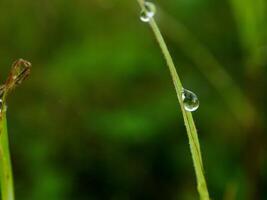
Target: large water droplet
{"x": 190, "y": 100}
{"x": 148, "y": 12}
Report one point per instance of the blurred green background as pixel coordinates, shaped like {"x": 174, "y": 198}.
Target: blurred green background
{"x": 98, "y": 117}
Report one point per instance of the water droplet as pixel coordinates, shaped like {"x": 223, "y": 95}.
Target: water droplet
{"x": 3, "y": 108}
{"x": 1, "y": 105}
{"x": 148, "y": 12}
{"x": 190, "y": 100}
{"x": 1, "y": 99}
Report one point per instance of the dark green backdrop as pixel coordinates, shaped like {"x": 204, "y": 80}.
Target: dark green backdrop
{"x": 98, "y": 117}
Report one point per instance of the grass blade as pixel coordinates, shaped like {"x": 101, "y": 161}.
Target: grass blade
{"x": 19, "y": 72}
{"x": 188, "y": 118}
{"x": 6, "y": 176}
{"x": 211, "y": 68}
{"x": 250, "y": 16}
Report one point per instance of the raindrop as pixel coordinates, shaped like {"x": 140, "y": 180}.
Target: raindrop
{"x": 148, "y": 12}
{"x": 1, "y": 105}
{"x": 1, "y": 99}
{"x": 190, "y": 100}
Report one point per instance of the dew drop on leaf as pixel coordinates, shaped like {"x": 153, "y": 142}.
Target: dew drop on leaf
{"x": 147, "y": 12}
{"x": 1, "y": 100}
{"x": 190, "y": 100}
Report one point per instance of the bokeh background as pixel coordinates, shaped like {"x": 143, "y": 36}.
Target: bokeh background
{"x": 99, "y": 119}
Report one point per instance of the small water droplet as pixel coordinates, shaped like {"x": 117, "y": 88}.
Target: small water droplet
{"x": 1, "y": 106}
{"x": 190, "y": 100}
{"x": 148, "y": 12}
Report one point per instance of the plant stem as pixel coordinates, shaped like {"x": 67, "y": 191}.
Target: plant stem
{"x": 188, "y": 118}
{"x": 6, "y": 176}
{"x": 239, "y": 103}
{"x": 19, "y": 71}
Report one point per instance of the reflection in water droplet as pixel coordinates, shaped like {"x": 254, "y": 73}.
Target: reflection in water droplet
{"x": 1, "y": 105}
{"x": 148, "y": 12}
{"x": 3, "y": 108}
{"x": 190, "y": 100}
{"x": 1, "y": 98}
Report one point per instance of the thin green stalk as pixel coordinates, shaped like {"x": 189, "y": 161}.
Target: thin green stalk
{"x": 188, "y": 119}
{"x": 6, "y": 176}
{"x": 250, "y": 16}
{"x": 211, "y": 68}
{"x": 20, "y": 70}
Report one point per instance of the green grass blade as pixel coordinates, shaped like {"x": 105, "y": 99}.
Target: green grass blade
{"x": 19, "y": 71}
{"x": 211, "y": 68}
{"x": 250, "y": 16}
{"x": 6, "y": 177}
{"x": 188, "y": 118}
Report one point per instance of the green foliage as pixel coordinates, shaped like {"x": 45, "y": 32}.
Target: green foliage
{"x": 98, "y": 118}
